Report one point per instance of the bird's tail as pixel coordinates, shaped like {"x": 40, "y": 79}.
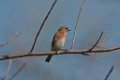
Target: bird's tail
{"x": 48, "y": 58}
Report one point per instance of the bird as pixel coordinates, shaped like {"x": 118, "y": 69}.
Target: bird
{"x": 58, "y": 41}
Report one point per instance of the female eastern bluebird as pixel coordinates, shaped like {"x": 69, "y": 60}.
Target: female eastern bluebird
{"x": 58, "y": 41}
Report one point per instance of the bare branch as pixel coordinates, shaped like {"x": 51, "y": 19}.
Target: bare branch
{"x": 17, "y": 72}
{"x": 81, "y": 8}
{"x": 8, "y": 70}
{"x": 83, "y": 52}
{"x": 42, "y": 25}
{"x": 10, "y": 40}
{"x": 102, "y": 42}
{"x": 96, "y": 42}
{"x": 99, "y": 44}
{"x": 110, "y": 71}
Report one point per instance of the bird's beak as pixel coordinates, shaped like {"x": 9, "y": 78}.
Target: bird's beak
{"x": 68, "y": 30}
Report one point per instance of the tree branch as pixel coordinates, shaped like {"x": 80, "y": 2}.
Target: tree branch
{"x": 96, "y": 42}
{"x": 101, "y": 43}
{"x": 17, "y": 72}
{"x": 110, "y": 71}
{"x": 42, "y": 25}
{"x": 80, "y": 11}
{"x": 10, "y": 40}
{"x": 8, "y": 70}
{"x": 83, "y": 52}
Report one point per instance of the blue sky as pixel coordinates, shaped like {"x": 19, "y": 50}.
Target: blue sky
{"x": 25, "y": 17}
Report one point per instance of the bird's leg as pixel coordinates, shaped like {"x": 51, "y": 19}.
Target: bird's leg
{"x": 57, "y": 51}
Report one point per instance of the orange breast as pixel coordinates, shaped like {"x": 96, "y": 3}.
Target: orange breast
{"x": 58, "y": 40}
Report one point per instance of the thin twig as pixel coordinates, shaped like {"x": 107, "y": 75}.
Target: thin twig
{"x": 42, "y": 25}
{"x": 101, "y": 43}
{"x": 83, "y": 52}
{"x": 96, "y": 42}
{"x": 10, "y": 40}
{"x": 80, "y": 11}
{"x": 17, "y": 72}
{"x": 8, "y": 70}
{"x": 10, "y": 61}
{"x": 109, "y": 73}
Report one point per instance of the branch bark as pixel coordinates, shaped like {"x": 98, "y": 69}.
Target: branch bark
{"x": 83, "y": 52}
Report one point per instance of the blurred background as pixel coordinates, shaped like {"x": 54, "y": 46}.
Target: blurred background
{"x": 26, "y": 16}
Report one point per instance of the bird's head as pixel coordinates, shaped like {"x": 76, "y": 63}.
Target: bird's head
{"x": 64, "y": 28}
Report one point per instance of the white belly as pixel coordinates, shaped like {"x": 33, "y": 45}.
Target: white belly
{"x": 60, "y": 43}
